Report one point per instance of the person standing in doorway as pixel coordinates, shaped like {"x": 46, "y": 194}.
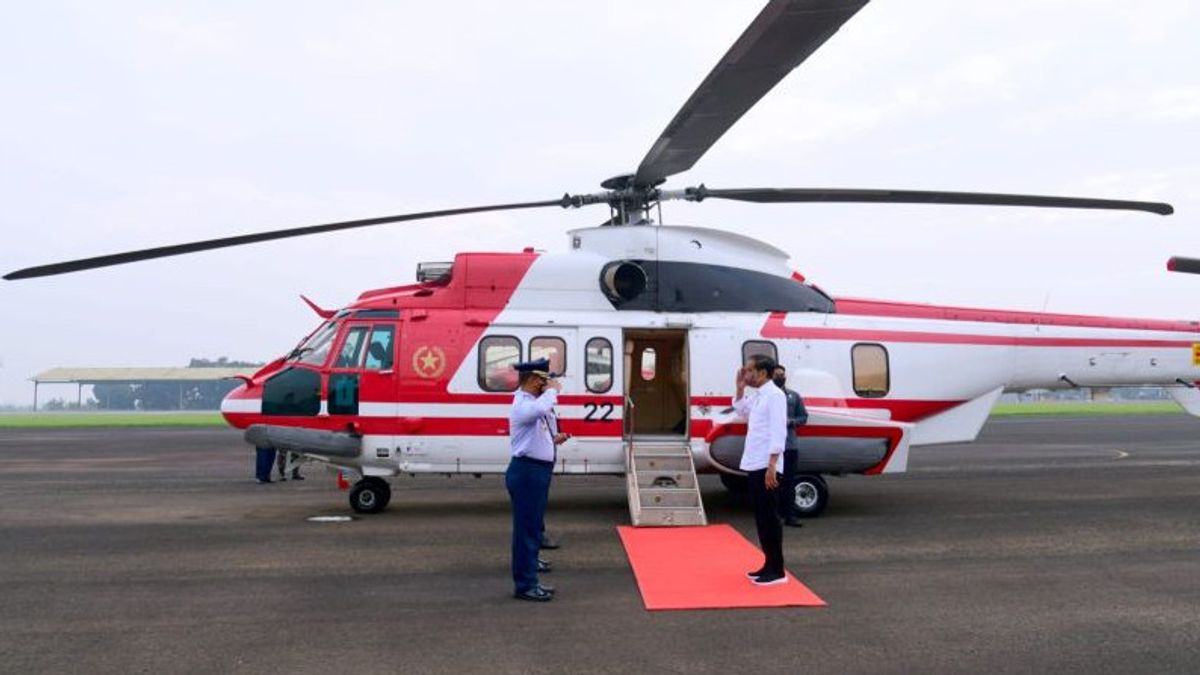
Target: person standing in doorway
{"x": 797, "y": 416}
{"x": 534, "y": 439}
{"x": 765, "y": 409}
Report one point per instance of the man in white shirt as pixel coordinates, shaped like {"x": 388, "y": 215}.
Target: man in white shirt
{"x": 765, "y": 408}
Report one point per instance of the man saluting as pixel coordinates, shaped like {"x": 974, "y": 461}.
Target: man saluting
{"x": 765, "y": 410}
{"x": 534, "y": 435}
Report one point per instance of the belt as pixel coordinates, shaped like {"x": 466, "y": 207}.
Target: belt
{"x": 531, "y": 460}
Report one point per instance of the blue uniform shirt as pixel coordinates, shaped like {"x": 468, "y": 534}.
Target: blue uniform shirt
{"x": 531, "y": 425}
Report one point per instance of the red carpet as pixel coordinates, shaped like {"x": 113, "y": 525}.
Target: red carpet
{"x": 704, "y": 568}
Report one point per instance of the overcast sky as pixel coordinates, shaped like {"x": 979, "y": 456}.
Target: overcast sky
{"x": 134, "y": 124}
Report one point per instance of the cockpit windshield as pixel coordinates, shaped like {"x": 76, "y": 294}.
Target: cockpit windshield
{"x": 315, "y": 349}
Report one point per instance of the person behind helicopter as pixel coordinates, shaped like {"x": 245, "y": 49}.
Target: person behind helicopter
{"x": 797, "y": 416}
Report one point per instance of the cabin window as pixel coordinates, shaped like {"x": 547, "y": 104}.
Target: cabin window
{"x": 649, "y": 364}
{"x": 292, "y": 392}
{"x": 351, "y": 348}
{"x": 497, "y": 356}
{"x": 599, "y": 357}
{"x": 380, "y": 349}
{"x": 870, "y": 368}
{"x": 759, "y": 347}
{"x": 552, "y": 348}
{"x": 315, "y": 350}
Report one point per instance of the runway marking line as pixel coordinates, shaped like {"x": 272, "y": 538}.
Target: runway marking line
{"x": 704, "y": 568}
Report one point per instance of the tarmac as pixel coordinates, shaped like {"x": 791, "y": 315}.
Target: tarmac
{"x": 1050, "y": 545}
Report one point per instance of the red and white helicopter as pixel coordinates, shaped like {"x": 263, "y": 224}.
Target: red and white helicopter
{"x": 649, "y": 322}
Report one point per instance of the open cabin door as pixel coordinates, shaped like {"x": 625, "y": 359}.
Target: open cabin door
{"x": 656, "y": 383}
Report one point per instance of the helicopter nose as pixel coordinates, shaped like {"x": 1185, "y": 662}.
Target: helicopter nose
{"x": 241, "y": 405}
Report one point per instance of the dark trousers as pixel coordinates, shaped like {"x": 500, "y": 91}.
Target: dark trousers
{"x": 766, "y": 518}
{"x": 281, "y": 464}
{"x": 528, "y": 483}
{"x": 787, "y": 485}
{"x": 264, "y": 461}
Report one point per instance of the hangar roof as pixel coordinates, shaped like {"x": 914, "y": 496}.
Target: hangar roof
{"x": 94, "y": 375}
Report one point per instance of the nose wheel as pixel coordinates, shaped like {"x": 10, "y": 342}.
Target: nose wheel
{"x": 370, "y": 495}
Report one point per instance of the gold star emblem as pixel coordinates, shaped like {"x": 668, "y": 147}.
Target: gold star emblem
{"x": 429, "y": 362}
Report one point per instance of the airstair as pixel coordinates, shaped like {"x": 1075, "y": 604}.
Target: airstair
{"x": 660, "y": 480}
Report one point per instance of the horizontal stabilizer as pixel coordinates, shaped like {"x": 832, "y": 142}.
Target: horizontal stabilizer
{"x": 1188, "y": 398}
{"x": 960, "y": 424}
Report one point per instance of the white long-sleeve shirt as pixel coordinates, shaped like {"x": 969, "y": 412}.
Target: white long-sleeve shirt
{"x": 532, "y": 426}
{"x": 765, "y": 410}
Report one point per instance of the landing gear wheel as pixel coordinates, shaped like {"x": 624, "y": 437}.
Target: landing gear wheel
{"x": 812, "y": 494}
{"x": 370, "y": 495}
{"x": 738, "y": 485}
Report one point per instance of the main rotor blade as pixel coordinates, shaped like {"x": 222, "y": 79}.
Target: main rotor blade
{"x": 1185, "y": 265}
{"x": 225, "y": 242}
{"x": 787, "y": 195}
{"x": 783, "y": 34}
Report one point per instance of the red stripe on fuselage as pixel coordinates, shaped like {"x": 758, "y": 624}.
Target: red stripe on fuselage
{"x": 774, "y": 328}
{"x": 884, "y": 308}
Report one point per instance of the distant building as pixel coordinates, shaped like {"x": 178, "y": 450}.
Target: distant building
{"x": 146, "y": 388}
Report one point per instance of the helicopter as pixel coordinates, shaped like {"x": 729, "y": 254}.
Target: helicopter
{"x": 647, "y": 322}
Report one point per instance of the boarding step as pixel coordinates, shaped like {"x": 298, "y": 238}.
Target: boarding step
{"x": 668, "y": 517}
{"x": 665, "y": 464}
{"x": 662, "y": 486}
{"x": 666, "y": 479}
{"x": 669, "y": 497}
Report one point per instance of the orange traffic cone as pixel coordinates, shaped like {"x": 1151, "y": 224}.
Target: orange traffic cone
{"x": 342, "y": 483}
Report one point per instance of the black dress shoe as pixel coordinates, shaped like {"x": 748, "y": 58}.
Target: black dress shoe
{"x": 755, "y": 573}
{"x": 535, "y": 594}
{"x": 549, "y": 543}
{"x": 770, "y": 579}
{"x": 548, "y": 589}
{"x": 545, "y": 566}
{"x": 297, "y": 477}
{"x": 793, "y": 522}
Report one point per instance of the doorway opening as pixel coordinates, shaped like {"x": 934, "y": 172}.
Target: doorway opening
{"x": 656, "y": 381}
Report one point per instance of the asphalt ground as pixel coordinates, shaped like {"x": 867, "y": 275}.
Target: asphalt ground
{"x": 1051, "y": 545}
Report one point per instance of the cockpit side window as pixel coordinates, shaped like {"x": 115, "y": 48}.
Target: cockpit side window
{"x": 352, "y": 346}
{"x": 380, "y": 348}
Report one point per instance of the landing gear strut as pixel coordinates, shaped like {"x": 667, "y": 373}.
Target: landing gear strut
{"x": 370, "y": 495}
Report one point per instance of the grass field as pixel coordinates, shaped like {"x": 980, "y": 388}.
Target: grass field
{"x": 213, "y": 419}
{"x": 115, "y": 419}
{"x": 1088, "y": 408}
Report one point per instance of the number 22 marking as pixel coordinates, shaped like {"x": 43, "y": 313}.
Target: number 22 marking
{"x": 603, "y": 409}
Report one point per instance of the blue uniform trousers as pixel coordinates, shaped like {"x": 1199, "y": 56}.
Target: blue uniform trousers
{"x": 528, "y": 483}
{"x": 264, "y": 461}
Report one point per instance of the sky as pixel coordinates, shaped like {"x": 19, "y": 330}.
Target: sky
{"x": 134, "y": 124}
